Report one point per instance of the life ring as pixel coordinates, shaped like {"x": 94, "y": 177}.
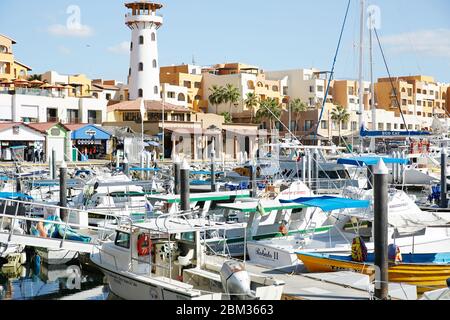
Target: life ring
{"x": 283, "y": 230}
{"x": 144, "y": 245}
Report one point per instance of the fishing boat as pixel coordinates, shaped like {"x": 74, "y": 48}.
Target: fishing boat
{"x": 164, "y": 259}
{"x": 426, "y": 271}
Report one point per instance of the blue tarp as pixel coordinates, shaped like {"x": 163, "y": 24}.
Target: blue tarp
{"x": 328, "y": 203}
{"x": 90, "y": 132}
{"x": 15, "y": 196}
{"x": 370, "y": 161}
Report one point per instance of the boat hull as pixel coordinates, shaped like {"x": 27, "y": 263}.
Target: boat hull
{"x": 425, "y": 276}
{"x": 56, "y": 256}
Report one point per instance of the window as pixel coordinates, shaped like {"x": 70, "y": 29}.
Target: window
{"x": 52, "y": 115}
{"x": 354, "y": 125}
{"x": 131, "y": 46}
{"x": 155, "y": 64}
{"x": 141, "y": 40}
{"x": 324, "y": 124}
{"x": 285, "y": 91}
{"x": 409, "y": 92}
{"x": 403, "y": 102}
{"x": 132, "y": 116}
{"x": 251, "y": 85}
{"x": 388, "y": 126}
{"x": 171, "y": 95}
{"x": 92, "y": 117}
{"x": 122, "y": 240}
{"x": 156, "y": 90}
{"x": 410, "y": 126}
{"x": 381, "y": 126}
{"x": 72, "y": 116}
{"x": 419, "y": 91}
{"x": 419, "y": 103}
{"x": 311, "y": 88}
{"x": 140, "y": 93}
{"x": 309, "y": 124}
{"x": 187, "y": 84}
{"x": 129, "y": 72}
{"x": 108, "y": 96}
{"x": 344, "y": 125}
{"x": 141, "y": 66}
{"x": 153, "y": 36}
{"x": 3, "y": 49}
{"x": 351, "y": 91}
{"x": 395, "y": 126}
{"x": 198, "y": 85}
{"x": 178, "y": 117}
{"x": 275, "y": 88}
{"x": 320, "y": 88}
{"x": 402, "y": 126}
{"x": 181, "y": 97}
{"x": 294, "y": 126}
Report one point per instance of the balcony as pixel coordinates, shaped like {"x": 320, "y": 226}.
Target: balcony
{"x": 52, "y": 119}
{"x": 155, "y": 19}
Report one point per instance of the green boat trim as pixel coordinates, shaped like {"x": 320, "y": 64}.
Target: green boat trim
{"x": 200, "y": 198}
{"x": 276, "y": 235}
{"x": 253, "y": 207}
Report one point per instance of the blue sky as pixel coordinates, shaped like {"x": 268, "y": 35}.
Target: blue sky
{"x": 274, "y": 35}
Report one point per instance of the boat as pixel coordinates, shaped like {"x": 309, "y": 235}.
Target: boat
{"x": 426, "y": 271}
{"x": 164, "y": 259}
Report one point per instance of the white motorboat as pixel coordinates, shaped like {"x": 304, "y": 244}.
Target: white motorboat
{"x": 412, "y": 230}
{"x": 164, "y": 259}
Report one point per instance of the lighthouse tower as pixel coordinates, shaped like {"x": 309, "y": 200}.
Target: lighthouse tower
{"x": 143, "y": 75}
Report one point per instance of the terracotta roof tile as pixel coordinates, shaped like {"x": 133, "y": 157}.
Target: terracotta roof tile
{"x": 150, "y": 106}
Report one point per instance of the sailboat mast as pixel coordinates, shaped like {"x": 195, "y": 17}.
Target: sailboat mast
{"x": 361, "y": 64}
{"x": 373, "y": 106}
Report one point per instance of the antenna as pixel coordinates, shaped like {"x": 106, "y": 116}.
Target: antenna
{"x": 193, "y": 60}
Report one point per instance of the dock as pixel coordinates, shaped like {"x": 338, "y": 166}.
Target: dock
{"x": 343, "y": 285}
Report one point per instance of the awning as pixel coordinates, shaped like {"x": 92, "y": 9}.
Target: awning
{"x": 15, "y": 196}
{"x": 370, "y": 161}
{"x": 328, "y": 203}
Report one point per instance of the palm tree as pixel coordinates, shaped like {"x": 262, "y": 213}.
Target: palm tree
{"x": 217, "y": 96}
{"x": 227, "y": 117}
{"x": 269, "y": 109}
{"x": 231, "y": 95}
{"x": 252, "y": 103}
{"x": 298, "y": 106}
{"x": 340, "y": 115}
{"x": 35, "y": 77}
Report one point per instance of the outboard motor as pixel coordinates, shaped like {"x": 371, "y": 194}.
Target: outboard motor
{"x": 236, "y": 281}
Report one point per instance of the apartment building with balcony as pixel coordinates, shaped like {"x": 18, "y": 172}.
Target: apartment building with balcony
{"x": 183, "y": 86}
{"x": 10, "y": 68}
{"x": 247, "y": 79}
{"x": 80, "y": 85}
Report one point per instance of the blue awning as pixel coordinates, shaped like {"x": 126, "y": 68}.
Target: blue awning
{"x": 327, "y": 203}
{"x": 90, "y": 132}
{"x": 371, "y": 161}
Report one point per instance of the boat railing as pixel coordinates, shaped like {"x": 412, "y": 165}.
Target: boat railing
{"x": 27, "y": 218}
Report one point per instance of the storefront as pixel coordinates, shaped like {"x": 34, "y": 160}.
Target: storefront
{"x": 91, "y": 142}
{"x": 19, "y": 141}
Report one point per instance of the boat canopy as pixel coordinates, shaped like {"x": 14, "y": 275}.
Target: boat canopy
{"x": 370, "y": 161}
{"x": 15, "y": 196}
{"x": 146, "y": 169}
{"x": 328, "y": 203}
{"x": 206, "y": 173}
{"x": 251, "y": 207}
{"x": 199, "y": 197}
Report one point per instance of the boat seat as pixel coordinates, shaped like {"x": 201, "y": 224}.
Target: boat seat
{"x": 204, "y": 274}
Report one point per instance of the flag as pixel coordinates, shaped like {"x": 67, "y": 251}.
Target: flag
{"x": 143, "y": 109}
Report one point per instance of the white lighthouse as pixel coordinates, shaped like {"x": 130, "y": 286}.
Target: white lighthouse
{"x": 144, "y": 65}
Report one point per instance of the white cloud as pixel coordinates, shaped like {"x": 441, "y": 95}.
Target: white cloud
{"x": 75, "y": 30}
{"x": 121, "y": 48}
{"x": 435, "y": 43}
{"x": 64, "y": 50}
